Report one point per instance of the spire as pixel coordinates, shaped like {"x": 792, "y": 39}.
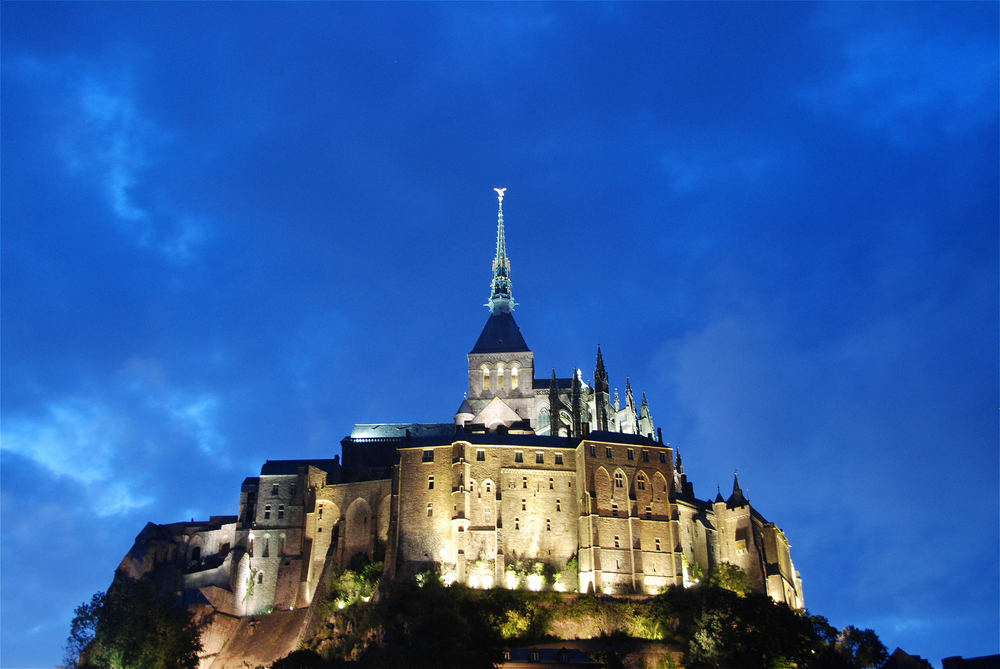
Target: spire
{"x": 501, "y": 299}
{"x": 737, "y": 498}
{"x": 600, "y": 374}
{"x": 680, "y": 465}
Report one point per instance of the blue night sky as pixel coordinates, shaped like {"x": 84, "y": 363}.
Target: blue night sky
{"x": 231, "y": 231}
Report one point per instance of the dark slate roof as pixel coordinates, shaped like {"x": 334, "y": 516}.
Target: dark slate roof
{"x": 291, "y": 467}
{"x": 547, "y": 383}
{"x": 500, "y": 335}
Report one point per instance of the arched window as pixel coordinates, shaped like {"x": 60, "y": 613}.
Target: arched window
{"x": 640, "y": 482}
{"x": 486, "y": 377}
{"x": 489, "y": 487}
{"x": 619, "y": 480}
{"x": 499, "y": 376}
{"x": 514, "y": 371}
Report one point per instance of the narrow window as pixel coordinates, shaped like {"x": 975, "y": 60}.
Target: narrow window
{"x": 260, "y": 577}
{"x": 281, "y": 511}
{"x": 559, "y": 458}
{"x": 548, "y": 524}
{"x": 428, "y": 456}
{"x": 267, "y": 512}
{"x": 649, "y": 513}
{"x": 517, "y": 523}
{"x": 607, "y": 451}
{"x": 593, "y": 451}
{"x": 619, "y": 480}
{"x": 480, "y": 455}
{"x": 614, "y": 509}
{"x": 657, "y": 544}
{"x": 524, "y": 481}
{"x": 524, "y": 504}
{"x": 488, "y": 487}
{"x": 617, "y": 542}
{"x": 514, "y": 373}
{"x": 539, "y": 459}
{"x": 267, "y": 548}
{"x": 631, "y": 454}
{"x": 291, "y": 491}
{"x": 663, "y": 457}
{"x": 274, "y": 489}
{"x": 645, "y": 456}
{"x": 320, "y": 513}
{"x": 486, "y": 378}
{"x": 552, "y": 484}
{"x": 430, "y": 509}
{"x": 558, "y": 505}
{"x": 640, "y": 482}
{"x": 430, "y": 483}
{"x": 518, "y": 456}
{"x": 500, "y": 376}
{"x": 251, "y": 548}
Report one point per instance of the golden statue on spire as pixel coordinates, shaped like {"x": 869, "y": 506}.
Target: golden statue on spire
{"x": 500, "y": 192}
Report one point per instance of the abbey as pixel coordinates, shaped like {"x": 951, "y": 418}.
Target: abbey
{"x": 535, "y": 474}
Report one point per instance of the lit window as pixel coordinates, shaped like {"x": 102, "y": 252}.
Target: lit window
{"x": 430, "y": 509}
{"x": 281, "y": 511}
{"x": 640, "y": 482}
{"x": 518, "y": 456}
{"x": 513, "y": 377}
{"x": 539, "y": 459}
{"x": 631, "y": 454}
{"x": 619, "y": 480}
{"x": 267, "y": 512}
{"x": 607, "y": 451}
{"x": 663, "y": 457}
{"x": 480, "y": 455}
{"x": 617, "y": 542}
{"x": 430, "y": 483}
{"x": 500, "y": 376}
{"x": 486, "y": 377}
{"x": 645, "y": 456}
{"x": 558, "y": 505}
{"x": 428, "y": 456}
{"x": 559, "y": 458}
{"x": 274, "y": 489}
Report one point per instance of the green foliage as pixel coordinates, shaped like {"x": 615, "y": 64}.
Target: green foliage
{"x": 134, "y": 625}
{"x": 358, "y": 583}
{"x": 730, "y": 577}
{"x": 83, "y": 629}
{"x": 862, "y": 648}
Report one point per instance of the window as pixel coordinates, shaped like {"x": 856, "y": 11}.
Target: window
{"x": 619, "y": 480}
{"x": 430, "y": 509}
{"x": 631, "y": 454}
{"x": 291, "y": 491}
{"x": 486, "y": 377}
{"x": 461, "y": 529}
{"x": 524, "y": 504}
{"x": 500, "y": 376}
{"x": 558, "y": 505}
{"x": 319, "y": 529}
{"x": 649, "y": 513}
{"x": 267, "y": 548}
{"x": 260, "y": 577}
{"x": 618, "y": 542}
{"x": 607, "y": 451}
{"x": 480, "y": 455}
{"x": 614, "y": 509}
{"x": 319, "y": 513}
{"x": 430, "y": 483}
{"x": 274, "y": 489}
{"x": 513, "y": 377}
{"x": 267, "y": 512}
{"x": 518, "y": 456}
{"x": 640, "y": 482}
{"x": 281, "y": 511}
{"x": 524, "y": 481}
{"x": 593, "y": 451}
{"x": 428, "y": 456}
{"x": 548, "y": 524}
{"x": 489, "y": 486}
{"x": 645, "y": 456}
{"x": 657, "y": 544}
{"x": 251, "y": 546}
{"x": 517, "y": 523}
{"x": 552, "y": 484}
{"x": 663, "y": 457}
{"x": 559, "y": 458}
{"x": 539, "y": 459}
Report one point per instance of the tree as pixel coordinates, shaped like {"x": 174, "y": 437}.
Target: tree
{"x": 862, "y": 648}
{"x": 730, "y": 577}
{"x": 133, "y": 625}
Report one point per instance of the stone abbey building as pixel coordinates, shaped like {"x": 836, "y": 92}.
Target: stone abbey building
{"x": 532, "y": 469}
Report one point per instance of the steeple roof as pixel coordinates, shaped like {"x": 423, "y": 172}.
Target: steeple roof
{"x": 500, "y": 335}
{"x": 737, "y": 498}
{"x": 501, "y": 298}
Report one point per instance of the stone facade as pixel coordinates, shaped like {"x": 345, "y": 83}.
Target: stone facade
{"x": 531, "y": 472}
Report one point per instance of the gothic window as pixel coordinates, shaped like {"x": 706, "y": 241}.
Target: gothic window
{"x": 430, "y": 483}
{"x": 480, "y": 455}
{"x": 518, "y": 456}
{"x": 539, "y": 458}
{"x": 619, "y": 480}
{"x": 430, "y": 509}
{"x": 274, "y": 489}
{"x": 607, "y": 451}
{"x": 559, "y": 460}
{"x": 486, "y": 377}
{"x": 428, "y": 456}
{"x": 514, "y": 373}
{"x": 281, "y": 511}
{"x": 552, "y": 484}
{"x": 645, "y": 456}
{"x": 640, "y": 482}
{"x": 499, "y": 376}
{"x": 617, "y": 542}
{"x": 267, "y": 512}
{"x": 631, "y": 454}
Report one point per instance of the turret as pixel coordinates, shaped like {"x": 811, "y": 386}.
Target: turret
{"x": 645, "y": 419}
